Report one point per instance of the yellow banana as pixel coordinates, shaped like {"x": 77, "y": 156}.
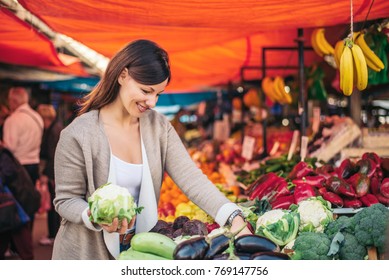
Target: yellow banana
{"x": 372, "y": 60}
{"x": 285, "y": 95}
{"x": 346, "y": 70}
{"x": 323, "y": 44}
{"x": 361, "y": 75}
{"x": 278, "y": 91}
{"x": 267, "y": 88}
{"x": 314, "y": 43}
{"x": 338, "y": 52}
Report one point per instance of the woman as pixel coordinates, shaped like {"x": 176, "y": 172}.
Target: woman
{"x": 118, "y": 138}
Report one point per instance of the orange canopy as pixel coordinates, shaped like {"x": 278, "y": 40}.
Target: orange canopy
{"x": 208, "y": 41}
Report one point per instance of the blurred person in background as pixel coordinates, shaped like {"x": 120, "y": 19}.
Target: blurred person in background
{"x": 23, "y": 130}
{"x": 51, "y": 133}
{"x": 4, "y": 113}
{"x": 16, "y": 178}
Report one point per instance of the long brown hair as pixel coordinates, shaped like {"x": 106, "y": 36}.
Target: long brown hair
{"x": 147, "y": 63}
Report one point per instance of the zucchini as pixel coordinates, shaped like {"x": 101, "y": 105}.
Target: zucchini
{"x": 154, "y": 243}
{"x": 131, "y": 254}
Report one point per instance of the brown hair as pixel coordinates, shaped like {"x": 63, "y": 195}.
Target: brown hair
{"x": 147, "y": 63}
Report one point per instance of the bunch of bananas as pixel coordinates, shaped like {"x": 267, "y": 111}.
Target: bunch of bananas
{"x": 275, "y": 90}
{"x": 372, "y": 60}
{"x": 320, "y": 44}
{"x": 353, "y": 68}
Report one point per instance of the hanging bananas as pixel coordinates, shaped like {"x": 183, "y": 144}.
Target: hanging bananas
{"x": 267, "y": 88}
{"x": 279, "y": 88}
{"x": 372, "y": 60}
{"x": 338, "y": 52}
{"x": 320, "y": 44}
{"x": 353, "y": 68}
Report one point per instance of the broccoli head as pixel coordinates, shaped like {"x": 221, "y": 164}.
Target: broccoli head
{"x": 342, "y": 223}
{"x": 351, "y": 249}
{"x": 311, "y": 246}
{"x": 370, "y": 226}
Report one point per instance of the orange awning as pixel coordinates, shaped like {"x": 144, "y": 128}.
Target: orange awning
{"x": 208, "y": 41}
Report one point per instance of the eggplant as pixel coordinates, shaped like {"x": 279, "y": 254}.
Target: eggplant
{"x": 192, "y": 249}
{"x": 269, "y": 256}
{"x": 250, "y": 243}
{"x": 243, "y": 256}
{"x": 217, "y": 245}
{"x": 223, "y": 256}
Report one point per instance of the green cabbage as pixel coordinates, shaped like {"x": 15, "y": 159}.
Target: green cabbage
{"x": 110, "y": 201}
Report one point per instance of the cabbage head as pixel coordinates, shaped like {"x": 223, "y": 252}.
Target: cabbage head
{"x": 110, "y": 201}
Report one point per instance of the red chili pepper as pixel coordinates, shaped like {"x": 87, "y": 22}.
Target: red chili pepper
{"x": 384, "y": 188}
{"x": 283, "y": 202}
{"x": 300, "y": 170}
{"x": 352, "y": 203}
{"x": 260, "y": 180}
{"x": 382, "y": 199}
{"x": 360, "y": 182}
{"x": 333, "y": 198}
{"x": 339, "y": 186}
{"x": 375, "y": 185}
{"x": 314, "y": 181}
{"x": 369, "y": 199}
{"x": 265, "y": 188}
{"x": 303, "y": 191}
{"x": 374, "y": 157}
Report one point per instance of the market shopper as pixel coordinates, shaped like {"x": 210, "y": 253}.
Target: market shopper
{"x": 51, "y": 133}
{"x": 22, "y": 131}
{"x": 118, "y": 138}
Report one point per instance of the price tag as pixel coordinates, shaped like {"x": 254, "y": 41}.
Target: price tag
{"x": 274, "y": 149}
{"x": 304, "y": 147}
{"x": 221, "y": 130}
{"x": 201, "y": 108}
{"x": 248, "y": 147}
{"x": 293, "y": 145}
{"x": 316, "y": 119}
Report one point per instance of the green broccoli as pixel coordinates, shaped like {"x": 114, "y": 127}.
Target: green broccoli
{"x": 370, "y": 226}
{"x": 351, "y": 249}
{"x": 311, "y": 246}
{"x": 342, "y": 223}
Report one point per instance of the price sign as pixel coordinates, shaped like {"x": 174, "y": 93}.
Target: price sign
{"x": 304, "y": 147}
{"x": 316, "y": 119}
{"x": 293, "y": 145}
{"x": 248, "y": 147}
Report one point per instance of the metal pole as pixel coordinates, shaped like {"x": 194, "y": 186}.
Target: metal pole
{"x": 264, "y": 121}
{"x": 302, "y": 104}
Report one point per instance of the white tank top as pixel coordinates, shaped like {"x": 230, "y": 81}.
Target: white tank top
{"x": 128, "y": 175}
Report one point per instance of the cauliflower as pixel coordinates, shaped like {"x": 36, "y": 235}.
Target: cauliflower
{"x": 110, "y": 201}
{"x": 315, "y": 214}
{"x": 280, "y": 226}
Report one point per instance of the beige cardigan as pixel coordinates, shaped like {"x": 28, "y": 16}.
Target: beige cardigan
{"x": 82, "y": 163}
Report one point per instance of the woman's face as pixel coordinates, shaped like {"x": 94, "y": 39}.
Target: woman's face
{"x": 138, "y": 98}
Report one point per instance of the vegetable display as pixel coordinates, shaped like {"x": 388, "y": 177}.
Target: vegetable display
{"x": 110, "y": 201}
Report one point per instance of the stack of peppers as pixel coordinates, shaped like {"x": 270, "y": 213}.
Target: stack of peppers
{"x": 351, "y": 185}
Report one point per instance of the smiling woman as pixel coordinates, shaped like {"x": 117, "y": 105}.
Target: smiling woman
{"x": 117, "y": 138}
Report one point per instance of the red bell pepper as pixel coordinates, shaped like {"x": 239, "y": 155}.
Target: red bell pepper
{"x": 282, "y": 188}
{"x": 369, "y": 199}
{"x": 283, "y": 202}
{"x": 303, "y": 191}
{"x": 314, "y": 181}
{"x": 260, "y": 180}
{"x": 382, "y": 199}
{"x": 360, "y": 182}
{"x": 346, "y": 169}
{"x": 339, "y": 186}
{"x": 326, "y": 171}
{"x": 352, "y": 203}
{"x": 384, "y": 188}
{"x": 367, "y": 166}
{"x": 321, "y": 190}
{"x": 265, "y": 188}
{"x": 333, "y": 198}
{"x": 375, "y": 185}
{"x": 373, "y": 156}
{"x": 300, "y": 170}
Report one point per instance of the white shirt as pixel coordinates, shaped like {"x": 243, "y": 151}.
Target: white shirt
{"x": 128, "y": 176}
{"x": 22, "y": 134}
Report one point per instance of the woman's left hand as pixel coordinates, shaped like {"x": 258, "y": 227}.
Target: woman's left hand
{"x": 237, "y": 224}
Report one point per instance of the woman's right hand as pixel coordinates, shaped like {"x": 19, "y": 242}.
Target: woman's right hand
{"x": 116, "y": 227}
